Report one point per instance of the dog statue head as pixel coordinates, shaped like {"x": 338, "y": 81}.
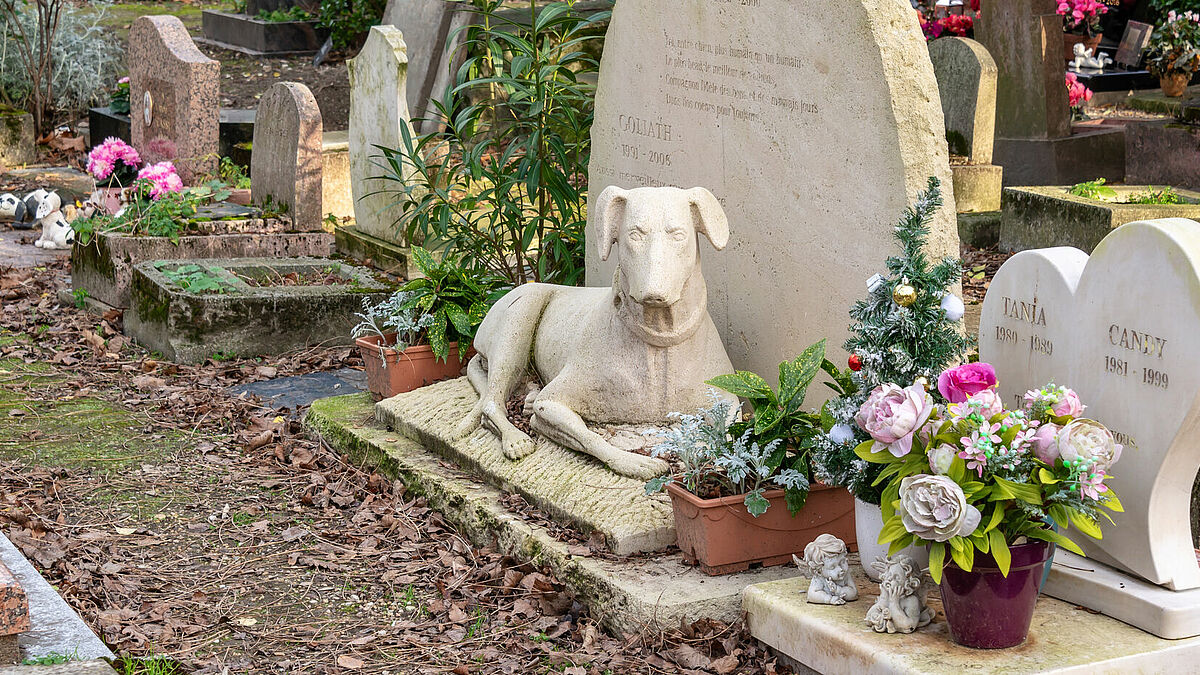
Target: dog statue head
{"x": 654, "y": 231}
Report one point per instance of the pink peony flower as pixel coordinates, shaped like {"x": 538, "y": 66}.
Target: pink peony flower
{"x": 1045, "y": 443}
{"x": 1068, "y": 404}
{"x": 892, "y": 415}
{"x": 163, "y": 179}
{"x": 958, "y": 384}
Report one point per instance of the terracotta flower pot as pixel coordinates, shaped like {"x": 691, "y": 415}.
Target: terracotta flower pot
{"x": 1175, "y": 83}
{"x": 868, "y": 523}
{"x": 987, "y": 610}
{"x": 722, "y": 537}
{"x": 396, "y": 372}
{"x": 240, "y": 196}
{"x": 1070, "y": 40}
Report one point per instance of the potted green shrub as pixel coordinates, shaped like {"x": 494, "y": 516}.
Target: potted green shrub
{"x": 989, "y": 490}
{"x": 1174, "y": 52}
{"x": 422, "y": 333}
{"x": 744, "y": 492}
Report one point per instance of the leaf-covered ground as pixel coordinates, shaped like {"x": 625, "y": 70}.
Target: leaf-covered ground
{"x": 182, "y": 522}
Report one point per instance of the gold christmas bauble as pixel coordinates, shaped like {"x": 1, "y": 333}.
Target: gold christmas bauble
{"x": 923, "y": 382}
{"x": 904, "y": 295}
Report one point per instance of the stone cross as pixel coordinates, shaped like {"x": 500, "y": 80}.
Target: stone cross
{"x": 1025, "y": 37}
{"x": 378, "y": 110}
{"x": 814, "y": 139}
{"x": 286, "y": 166}
{"x": 1134, "y": 357}
{"x": 434, "y": 32}
{"x": 174, "y": 102}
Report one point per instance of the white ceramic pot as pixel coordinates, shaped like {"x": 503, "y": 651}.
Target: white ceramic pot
{"x": 868, "y": 523}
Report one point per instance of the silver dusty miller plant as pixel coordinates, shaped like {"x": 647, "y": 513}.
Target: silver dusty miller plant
{"x": 391, "y": 316}
{"x": 702, "y": 445}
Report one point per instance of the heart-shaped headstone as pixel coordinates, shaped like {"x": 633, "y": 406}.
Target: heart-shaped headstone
{"x": 1123, "y": 329}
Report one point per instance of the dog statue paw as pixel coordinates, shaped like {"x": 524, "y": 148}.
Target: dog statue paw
{"x": 627, "y": 354}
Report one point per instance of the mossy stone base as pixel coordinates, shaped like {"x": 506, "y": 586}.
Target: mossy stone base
{"x": 571, "y": 486}
{"x": 247, "y": 320}
{"x": 354, "y": 243}
{"x": 979, "y": 230}
{"x": 18, "y": 142}
{"x": 1042, "y": 217}
{"x": 104, "y": 268}
{"x": 638, "y": 595}
{"x": 836, "y": 639}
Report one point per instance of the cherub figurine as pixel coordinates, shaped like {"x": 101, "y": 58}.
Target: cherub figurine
{"x": 826, "y": 560}
{"x": 901, "y": 604}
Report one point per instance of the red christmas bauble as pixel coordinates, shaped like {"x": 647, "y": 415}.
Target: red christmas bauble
{"x": 855, "y": 362}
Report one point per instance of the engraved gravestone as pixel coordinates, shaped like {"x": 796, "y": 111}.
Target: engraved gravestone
{"x": 378, "y": 110}
{"x": 814, "y": 123}
{"x": 1123, "y": 329}
{"x": 174, "y": 97}
{"x": 433, "y": 32}
{"x": 286, "y": 166}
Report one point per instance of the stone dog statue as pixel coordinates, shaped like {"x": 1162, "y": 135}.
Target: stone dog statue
{"x": 629, "y": 354}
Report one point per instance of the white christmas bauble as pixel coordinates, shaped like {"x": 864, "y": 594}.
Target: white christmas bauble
{"x": 953, "y": 307}
{"x": 841, "y": 434}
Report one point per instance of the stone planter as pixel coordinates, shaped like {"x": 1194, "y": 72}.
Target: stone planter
{"x": 104, "y": 268}
{"x": 1042, "y": 217}
{"x": 722, "y": 537}
{"x": 249, "y": 35}
{"x": 245, "y": 319}
{"x": 391, "y": 372}
{"x": 1174, "y": 83}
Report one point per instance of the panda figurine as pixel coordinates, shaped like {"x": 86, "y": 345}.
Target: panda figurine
{"x": 27, "y": 213}
{"x": 11, "y": 208}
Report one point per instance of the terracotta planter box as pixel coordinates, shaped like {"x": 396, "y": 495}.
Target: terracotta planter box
{"x": 722, "y": 537}
{"x": 396, "y": 372}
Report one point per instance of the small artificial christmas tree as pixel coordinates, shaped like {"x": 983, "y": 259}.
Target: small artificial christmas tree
{"x": 906, "y": 330}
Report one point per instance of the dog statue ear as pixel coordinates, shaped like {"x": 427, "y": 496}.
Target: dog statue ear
{"x": 610, "y": 209}
{"x": 708, "y": 217}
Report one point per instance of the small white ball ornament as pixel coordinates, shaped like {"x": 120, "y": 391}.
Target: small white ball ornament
{"x": 841, "y": 434}
{"x": 953, "y": 307}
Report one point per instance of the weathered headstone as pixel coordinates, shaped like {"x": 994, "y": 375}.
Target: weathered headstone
{"x": 1025, "y": 39}
{"x": 286, "y": 167}
{"x": 966, "y": 76}
{"x": 813, "y": 138}
{"x": 1034, "y": 140}
{"x": 174, "y": 96}
{"x": 378, "y": 110}
{"x": 1134, "y": 357}
{"x": 433, "y": 31}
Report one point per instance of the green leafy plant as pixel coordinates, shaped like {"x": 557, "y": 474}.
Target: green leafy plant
{"x": 52, "y": 659}
{"x": 232, "y": 174}
{"x": 118, "y": 102}
{"x": 346, "y": 20}
{"x": 293, "y": 13}
{"x": 198, "y": 279}
{"x": 1166, "y": 195}
{"x": 167, "y": 216}
{"x": 394, "y": 316}
{"x": 1094, "y": 189}
{"x": 1175, "y": 45}
{"x": 503, "y": 184}
{"x": 81, "y": 295}
{"x": 456, "y": 298}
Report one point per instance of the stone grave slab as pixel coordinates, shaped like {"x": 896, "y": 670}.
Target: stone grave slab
{"x": 434, "y": 32}
{"x": 814, "y": 140}
{"x": 628, "y": 595}
{"x": 566, "y": 484}
{"x": 1121, "y": 328}
{"x": 173, "y": 95}
{"x": 378, "y": 110}
{"x": 255, "y": 314}
{"x": 286, "y": 166}
{"x": 1064, "y": 639}
{"x": 1025, "y": 39}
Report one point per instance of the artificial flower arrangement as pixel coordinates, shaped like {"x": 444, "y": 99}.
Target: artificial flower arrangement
{"x": 113, "y": 164}
{"x": 1082, "y": 17}
{"x": 1077, "y": 94}
{"x": 975, "y": 476}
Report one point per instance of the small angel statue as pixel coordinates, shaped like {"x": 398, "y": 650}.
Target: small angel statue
{"x": 900, "y": 607}
{"x": 826, "y": 561}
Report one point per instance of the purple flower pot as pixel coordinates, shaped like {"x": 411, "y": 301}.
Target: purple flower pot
{"x": 987, "y": 610}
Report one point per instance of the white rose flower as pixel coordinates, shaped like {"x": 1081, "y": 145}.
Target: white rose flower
{"x": 934, "y": 508}
{"x": 1085, "y": 439}
{"x": 941, "y": 457}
